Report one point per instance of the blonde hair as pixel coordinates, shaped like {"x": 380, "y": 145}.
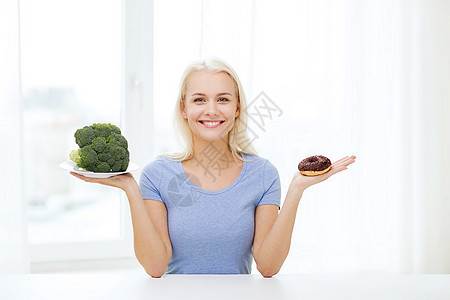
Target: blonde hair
{"x": 238, "y": 141}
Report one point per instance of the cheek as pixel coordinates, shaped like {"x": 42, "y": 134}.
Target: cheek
{"x": 193, "y": 113}
{"x": 232, "y": 112}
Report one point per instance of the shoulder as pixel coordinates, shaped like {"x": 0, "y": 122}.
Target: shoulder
{"x": 158, "y": 165}
{"x": 252, "y": 159}
{"x": 258, "y": 163}
{"x": 261, "y": 170}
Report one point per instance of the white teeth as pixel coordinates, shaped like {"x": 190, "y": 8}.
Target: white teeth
{"x": 211, "y": 123}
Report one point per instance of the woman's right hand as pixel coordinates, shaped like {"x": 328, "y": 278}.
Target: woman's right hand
{"x": 122, "y": 181}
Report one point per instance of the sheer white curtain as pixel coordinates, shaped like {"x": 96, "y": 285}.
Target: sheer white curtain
{"x": 13, "y": 245}
{"x": 368, "y": 78}
{"x": 351, "y": 77}
{"x": 425, "y": 147}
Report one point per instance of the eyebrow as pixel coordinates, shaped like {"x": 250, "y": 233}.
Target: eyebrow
{"x": 220, "y": 94}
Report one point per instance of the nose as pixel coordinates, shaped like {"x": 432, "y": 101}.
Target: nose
{"x": 211, "y": 108}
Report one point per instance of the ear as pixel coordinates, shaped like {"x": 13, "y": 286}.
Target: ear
{"x": 183, "y": 109}
{"x": 238, "y": 110}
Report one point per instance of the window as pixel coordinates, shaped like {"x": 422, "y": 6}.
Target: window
{"x": 71, "y": 77}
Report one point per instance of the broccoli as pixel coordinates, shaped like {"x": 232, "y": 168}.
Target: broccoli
{"x": 102, "y": 149}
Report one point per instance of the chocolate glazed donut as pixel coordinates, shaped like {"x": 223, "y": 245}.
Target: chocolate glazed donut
{"x": 314, "y": 165}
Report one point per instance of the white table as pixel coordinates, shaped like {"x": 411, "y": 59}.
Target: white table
{"x": 281, "y": 286}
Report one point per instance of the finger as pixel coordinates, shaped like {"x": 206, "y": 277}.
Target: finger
{"x": 338, "y": 169}
{"x": 342, "y": 165}
{"x": 80, "y": 177}
{"x": 346, "y": 162}
{"x": 76, "y": 175}
{"x": 84, "y": 178}
{"x": 339, "y": 161}
{"x": 343, "y": 162}
{"x": 350, "y": 160}
{"x": 344, "y": 159}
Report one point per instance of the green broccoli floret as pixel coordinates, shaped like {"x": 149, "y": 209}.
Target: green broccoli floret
{"x": 84, "y": 136}
{"x": 102, "y": 149}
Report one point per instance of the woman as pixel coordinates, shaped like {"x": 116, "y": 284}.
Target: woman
{"x": 213, "y": 208}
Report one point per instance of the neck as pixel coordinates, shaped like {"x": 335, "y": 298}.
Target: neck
{"x": 213, "y": 153}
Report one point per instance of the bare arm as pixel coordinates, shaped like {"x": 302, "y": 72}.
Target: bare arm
{"x": 149, "y": 218}
{"x": 151, "y": 239}
{"x": 273, "y": 231}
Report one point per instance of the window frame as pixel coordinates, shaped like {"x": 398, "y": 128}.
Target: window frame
{"x": 136, "y": 107}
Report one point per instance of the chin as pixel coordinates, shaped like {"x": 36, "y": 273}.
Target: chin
{"x": 214, "y": 138}
{"x": 211, "y": 137}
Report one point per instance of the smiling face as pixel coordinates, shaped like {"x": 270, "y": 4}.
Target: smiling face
{"x": 211, "y": 105}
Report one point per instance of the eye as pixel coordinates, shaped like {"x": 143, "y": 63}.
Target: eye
{"x": 223, "y": 99}
{"x": 199, "y": 100}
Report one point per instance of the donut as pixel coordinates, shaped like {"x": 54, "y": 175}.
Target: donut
{"x": 314, "y": 165}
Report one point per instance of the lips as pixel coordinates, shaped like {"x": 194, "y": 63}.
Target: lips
{"x": 211, "y": 124}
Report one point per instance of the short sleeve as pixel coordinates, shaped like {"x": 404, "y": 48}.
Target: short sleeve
{"x": 271, "y": 185}
{"x": 150, "y": 180}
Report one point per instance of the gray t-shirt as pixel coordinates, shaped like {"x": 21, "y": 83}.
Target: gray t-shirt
{"x": 211, "y": 231}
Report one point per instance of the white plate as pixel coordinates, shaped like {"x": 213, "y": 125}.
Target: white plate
{"x": 72, "y": 167}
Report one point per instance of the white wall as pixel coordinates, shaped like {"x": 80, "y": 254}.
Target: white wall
{"x": 13, "y": 246}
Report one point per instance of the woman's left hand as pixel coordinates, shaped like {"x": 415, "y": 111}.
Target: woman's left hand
{"x": 303, "y": 182}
